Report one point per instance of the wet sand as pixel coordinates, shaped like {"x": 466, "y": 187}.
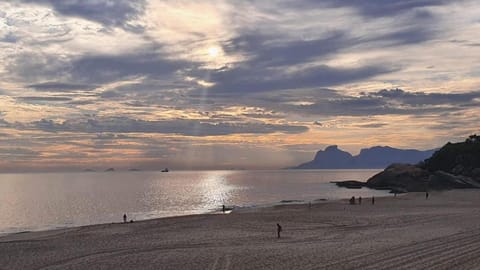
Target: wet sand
{"x": 403, "y": 232}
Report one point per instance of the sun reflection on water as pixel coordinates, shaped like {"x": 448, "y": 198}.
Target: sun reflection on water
{"x": 215, "y": 189}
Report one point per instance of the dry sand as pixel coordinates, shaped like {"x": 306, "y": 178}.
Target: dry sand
{"x": 405, "y": 232}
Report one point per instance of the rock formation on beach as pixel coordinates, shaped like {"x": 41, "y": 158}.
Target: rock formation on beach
{"x": 455, "y": 165}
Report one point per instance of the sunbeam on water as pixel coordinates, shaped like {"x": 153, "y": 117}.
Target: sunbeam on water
{"x": 214, "y": 189}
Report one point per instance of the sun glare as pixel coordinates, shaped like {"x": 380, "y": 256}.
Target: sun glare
{"x": 213, "y": 52}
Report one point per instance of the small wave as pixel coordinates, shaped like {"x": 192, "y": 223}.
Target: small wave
{"x": 292, "y": 201}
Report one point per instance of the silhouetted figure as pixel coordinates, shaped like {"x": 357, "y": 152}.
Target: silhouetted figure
{"x": 223, "y": 208}
{"x": 279, "y": 229}
{"x": 352, "y": 200}
{"x": 360, "y": 200}
{"x": 426, "y": 195}
{"x": 124, "y": 218}
{"x": 373, "y": 200}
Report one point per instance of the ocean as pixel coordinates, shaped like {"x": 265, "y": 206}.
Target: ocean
{"x": 31, "y": 202}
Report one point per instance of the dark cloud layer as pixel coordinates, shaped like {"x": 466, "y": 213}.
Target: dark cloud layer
{"x": 60, "y": 87}
{"x": 43, "y": 99}
{"x": 175, "y": 126}
{"x": 240, "y": 81}
{"x": 421, "y": 98}
{"x": 383, "y": 102}
{"x": 106, "y": 68}
{"x": 263, "y": 51}
{"x": 373, "y": 8}
{"x": 107, "y": 12}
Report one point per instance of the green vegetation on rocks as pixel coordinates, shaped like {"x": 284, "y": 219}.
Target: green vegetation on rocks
{"x": 457, "y": 158}
{"x": 455, "y": 165}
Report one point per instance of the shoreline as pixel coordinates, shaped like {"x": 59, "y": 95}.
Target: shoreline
{"x": 236, "y": 209}
{"x": 239, "y": 209}
{"x": 403, "y": 231}
{"x": 218, "y": 211}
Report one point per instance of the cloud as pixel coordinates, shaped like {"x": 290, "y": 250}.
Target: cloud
{"x": 241, "y": 81}
{"x": 9, "y": 38}
{"x": 422, "y": 98}
{"x": 23, "y": 153}
{"x": 412, "y": 35}
{"x": 383, "y": 102}
{"x": 109, "y": 13}
{"x": 34, "y": 99}
{"x": 175, "y": 126}
{"x": 275, "y": 63}
{"x": 372, "y": 125}
{"x": 60, "y": 87}
{"x": 329, "y": 103}
{"x": 107, "y": 68}
{"x": 266, "y": 51}
{"x": 37, "y": 66}
{"x": 100, "y": 77}
{"x": 374, "y": 8}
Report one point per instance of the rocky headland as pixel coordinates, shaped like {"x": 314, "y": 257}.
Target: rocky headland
{"x": 455, "y": 165}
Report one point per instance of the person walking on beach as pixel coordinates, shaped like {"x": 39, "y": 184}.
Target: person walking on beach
{"x": 124, "y": 218}
{"x": 426, "y": 195}
{"x": 279, "y": 229}
{"x": 223, "y": 208}
{"x": 373, "y": 200}
{"x": 360, "y": 200}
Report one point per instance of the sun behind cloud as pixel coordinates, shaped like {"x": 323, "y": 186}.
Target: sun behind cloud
{"x": 213, "y": 52}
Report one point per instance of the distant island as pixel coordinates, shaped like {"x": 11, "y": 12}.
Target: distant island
{"x": 377, "y": 157}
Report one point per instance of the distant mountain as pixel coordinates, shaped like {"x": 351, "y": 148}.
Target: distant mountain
{"x": 370, "y": 158}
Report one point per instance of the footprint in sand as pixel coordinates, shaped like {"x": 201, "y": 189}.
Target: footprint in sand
{"x": 221, "y": 262}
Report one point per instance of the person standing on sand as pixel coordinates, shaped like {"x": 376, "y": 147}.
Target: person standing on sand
{"x": 426, "y": 195}
{"x": 373, "y": 200}
{"x": 279, "y": 229}
{"x": 360, "y": 200}
{"x": 124, "y": 218}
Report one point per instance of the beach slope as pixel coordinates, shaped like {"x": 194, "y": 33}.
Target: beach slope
{"x": 403, "y": 232}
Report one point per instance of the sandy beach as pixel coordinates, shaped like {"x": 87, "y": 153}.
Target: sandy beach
{"x": 403, "y": 232}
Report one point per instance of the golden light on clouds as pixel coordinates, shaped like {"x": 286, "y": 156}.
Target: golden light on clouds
{"x": 155, "y": 80}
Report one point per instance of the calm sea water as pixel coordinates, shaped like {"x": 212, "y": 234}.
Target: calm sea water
{"x": 56, "y": 200}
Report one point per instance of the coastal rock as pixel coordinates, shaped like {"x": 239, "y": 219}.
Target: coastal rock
{"x": 455, "y": 165}
{"x": 400, "y": 177}
{"x": 456, "y": 158}
{"x": 476, "y": 172}
{"x": 444, "y": 180}
{"x": 350, "y": 184}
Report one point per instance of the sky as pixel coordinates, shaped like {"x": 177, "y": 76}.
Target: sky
{"x": 231, "y": 84}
